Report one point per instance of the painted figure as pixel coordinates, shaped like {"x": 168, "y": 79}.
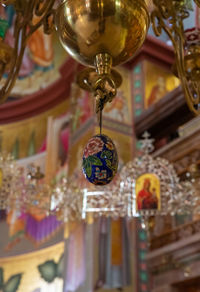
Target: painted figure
{"x": 118, "y": 108}
{"x": 27, "y": 64}
{"x": 158, "y": 91}
{"x": 40, "y": 46}
{"x": 147, "y": 199}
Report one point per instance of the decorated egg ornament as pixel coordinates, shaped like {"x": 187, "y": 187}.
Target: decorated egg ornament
{"x": 100, "y": 160}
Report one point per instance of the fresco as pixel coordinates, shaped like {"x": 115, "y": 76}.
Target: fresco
{"x": 42, "y": 58}
{"x": 56, "y": 144}
{"x": 76, "y": 154}
{"x": 120, "y": 108}
{"x": 84, "y": 109}
{"x": 39, "y": 271}
{"x": 158, "y": 82}
{"x": 27, "y": 137}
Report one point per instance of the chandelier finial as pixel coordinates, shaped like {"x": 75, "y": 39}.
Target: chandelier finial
{"x": 146, "y": 143}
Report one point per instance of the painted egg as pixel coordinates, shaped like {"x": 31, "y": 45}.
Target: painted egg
{"x": 100, "y": 160}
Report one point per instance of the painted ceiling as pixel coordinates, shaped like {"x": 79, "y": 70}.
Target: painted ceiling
{"x": 42, "y": 59}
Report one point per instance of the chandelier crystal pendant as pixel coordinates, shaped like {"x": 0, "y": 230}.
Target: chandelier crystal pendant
{"x": 38, "y": 194}
{"x": 72, "y": 202}
{"x": 67, "y": 200}
{"x": 8, "y": 177}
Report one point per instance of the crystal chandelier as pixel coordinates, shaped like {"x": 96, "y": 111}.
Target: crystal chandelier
{"x": 145, "y": 186}
{"x": 71, "y": 202}
{"x": 193, "y": 201}
{"x": 23, "y": 189}
{"x": 9, "y": 175}
{"x": 38, "y": 194}
{"x": 152, "y": 182}
{"x": 107, "y": 201}
{"x": 67, "y": 200}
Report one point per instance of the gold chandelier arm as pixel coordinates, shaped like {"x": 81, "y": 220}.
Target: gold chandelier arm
{"x": 158, "y": 25}
{"x": 168, "y": 16}
{"x": 44, "y": 11}
{"x": 18, "y": 52}
{"x": 2, "y": 69}
{"x": 197, "y": 2}
{"x": 7, "y": 2}
{"x": 190, "y": 88}
{"x": 24, "y": 28}
{"x": 42, "y": 7}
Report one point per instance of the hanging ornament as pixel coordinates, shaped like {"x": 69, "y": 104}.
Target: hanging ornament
{"x": 100, "y": 160}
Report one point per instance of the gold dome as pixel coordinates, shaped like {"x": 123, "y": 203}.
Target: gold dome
{"x": 90, "y": 27}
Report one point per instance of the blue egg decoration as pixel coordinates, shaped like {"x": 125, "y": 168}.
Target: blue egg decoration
{"x": 100, "y": 160}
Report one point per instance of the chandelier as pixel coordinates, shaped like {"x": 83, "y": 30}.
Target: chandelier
{"x": 193, "y": 202}
{"x": 23, "y": 189}
{"x": 145, "y": 187}
{"x": 102, "y": 34}
{"x": 169, "y": 16}
{"x": 152, "y": 182}
{"x": 72, "y": 202}
{"x": 9, "y": 178}
{"x": 85, "y": 29}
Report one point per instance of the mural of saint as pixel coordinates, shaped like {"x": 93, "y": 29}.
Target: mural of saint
{"x": 118, "y": 108}
{"x": 158, "y": 82}
{"x": 9, "y": 14}
{"x": 83, "y": 111}
{"x": 39, "y": 67}
{"x": 40, "y": 46}
{"x": 147, "y": 192}
{"x": 158, "y": 91}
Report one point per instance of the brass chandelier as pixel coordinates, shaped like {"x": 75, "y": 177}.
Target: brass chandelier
{"x": 101, "y": 34}
{"x": 169, "y": 16}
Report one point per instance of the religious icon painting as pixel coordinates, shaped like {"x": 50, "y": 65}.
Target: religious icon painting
{"x": 158, "y": 82}
{"x": 147, "y": 190}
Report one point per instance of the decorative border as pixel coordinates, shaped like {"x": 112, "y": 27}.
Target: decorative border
{"x": 42, "y": 100}
{"x": 138, "y": 90}
{"x": 143, "y": 275}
